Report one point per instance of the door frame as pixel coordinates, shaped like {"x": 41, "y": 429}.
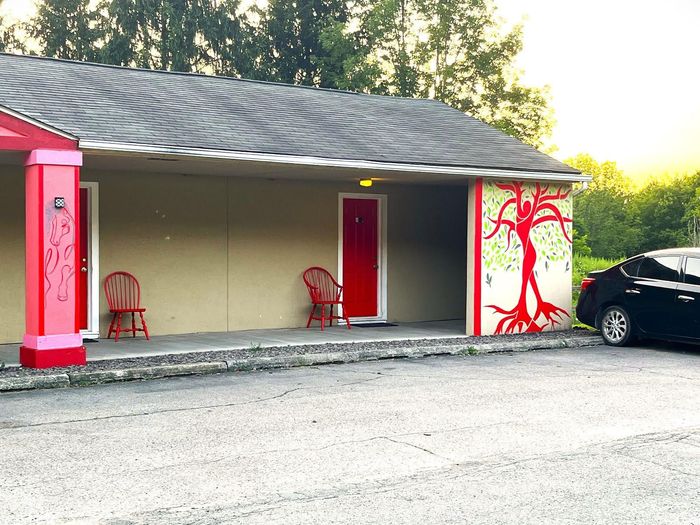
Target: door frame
{"x": 93, "y": 295}
{"x": 381, "y": 250}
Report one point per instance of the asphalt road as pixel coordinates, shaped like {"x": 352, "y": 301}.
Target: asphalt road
{"x": 597, "y": 435}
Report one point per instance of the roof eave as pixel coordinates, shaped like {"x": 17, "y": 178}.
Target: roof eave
{"x": 303, "y": 160}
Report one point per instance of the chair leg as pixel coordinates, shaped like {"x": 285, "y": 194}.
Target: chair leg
{"x": 323, "y": 317}
{"x": 311, "y": 315}
{"x": 111, "y": 325}
{"x": 346, "y": 317}
{"x": 145, "y": 328}
{"x": 119, "y": 327}
{"x": 133, "y": 325}
{"x": 331, "y": 317}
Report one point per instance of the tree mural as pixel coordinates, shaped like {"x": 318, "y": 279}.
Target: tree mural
{"x": 530, "y": 219}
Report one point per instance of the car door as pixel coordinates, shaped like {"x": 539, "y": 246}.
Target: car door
{"x": 651, "y": 294}
{"x": 687, "y": 305}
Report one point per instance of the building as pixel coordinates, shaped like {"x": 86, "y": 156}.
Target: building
{"x": 217, "y": 193}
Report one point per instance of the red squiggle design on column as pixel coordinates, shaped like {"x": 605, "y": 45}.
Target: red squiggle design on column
{"x": 527, "y": 219}
{"x": 59, "y": 260}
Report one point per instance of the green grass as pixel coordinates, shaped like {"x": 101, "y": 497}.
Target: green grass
{"x": 585, "y": 264}
{"x": 582, "y": 266}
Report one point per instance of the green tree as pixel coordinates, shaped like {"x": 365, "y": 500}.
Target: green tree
{"x": 230, "y": 36}
{"x": 66, "y": 29}
{"x": 346, "y": 62}
{"x": 311, "y": 42}
{"x": 156, "y": 34}
{"x": 603, "y": 213}
{"x": 9, "y": 39}
{"x": 580, "y": 244}
{"x": 394, "y": 40}
{"x": 456, "y": 51}
{"x": 664, "y": 209}
{"x": 5, "y": 35}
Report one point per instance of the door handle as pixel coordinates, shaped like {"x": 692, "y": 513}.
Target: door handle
{"x": 685, "y": 298}
{"x": 635, "y": 291}
{"x": 83, "y": 269}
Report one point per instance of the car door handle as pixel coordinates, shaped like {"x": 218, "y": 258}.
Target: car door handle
{"x": 635, "y": 291}
{"x": 685, "y": 298}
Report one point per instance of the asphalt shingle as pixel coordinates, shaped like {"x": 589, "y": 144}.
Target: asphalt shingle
{"x": 113, "y": 104}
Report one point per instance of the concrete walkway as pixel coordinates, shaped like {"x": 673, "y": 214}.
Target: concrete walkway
{"x": 213, "y": 341}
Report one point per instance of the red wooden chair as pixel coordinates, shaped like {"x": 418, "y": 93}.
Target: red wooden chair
{"x": 324, "y": 291}
{"x": 123, "y": 297}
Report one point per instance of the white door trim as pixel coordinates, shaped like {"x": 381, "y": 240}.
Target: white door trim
{"x": 381, "y": 248}
{"x": 93, "y": 329}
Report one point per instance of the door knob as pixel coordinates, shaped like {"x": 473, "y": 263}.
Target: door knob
{"x": 83, "y": 269}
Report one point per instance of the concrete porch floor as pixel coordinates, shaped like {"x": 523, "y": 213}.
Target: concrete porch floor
{"x": 212, "y": 341}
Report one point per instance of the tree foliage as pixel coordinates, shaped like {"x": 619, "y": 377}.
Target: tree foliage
{"x": 66, "y": 29}
{"x": 4, "y": 35}
{"x": 664, "y": 210}
{"x": 603, "y": 212}
{"x": 9, "y": 39}
{"x": 291, "y": 38}
{"x": 165, "y": 34}
{"x": 456, "y": 51}
{"x": 613, "y": 220}
{"x": 232, "y": 49}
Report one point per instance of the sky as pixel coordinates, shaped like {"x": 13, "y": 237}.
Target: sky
{"x": 623, "y": 75}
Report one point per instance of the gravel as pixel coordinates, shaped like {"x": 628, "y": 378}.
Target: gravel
{"x": 274, "y": 351}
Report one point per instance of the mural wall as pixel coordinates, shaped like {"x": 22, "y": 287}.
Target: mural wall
{"x": 526, "y": 257}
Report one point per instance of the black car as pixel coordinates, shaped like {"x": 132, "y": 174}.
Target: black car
{"x": 655, "y": 295}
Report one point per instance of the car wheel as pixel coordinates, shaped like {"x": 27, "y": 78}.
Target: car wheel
{"x": 616, "y": 327}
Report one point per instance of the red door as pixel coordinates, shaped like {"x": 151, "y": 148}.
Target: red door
{"x": 84, "y": 260}
{"x": 360, "y": 257}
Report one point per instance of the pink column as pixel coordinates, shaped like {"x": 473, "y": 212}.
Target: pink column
{"x": 52, "y": 258}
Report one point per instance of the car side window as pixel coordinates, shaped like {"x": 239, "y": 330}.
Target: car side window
{"x": 632, "y": 268}
{"x": 692, "y": 270}
{"x": 661, "y": 268}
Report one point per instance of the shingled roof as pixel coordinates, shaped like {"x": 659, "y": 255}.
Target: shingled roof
{"x": 107, "y": 104}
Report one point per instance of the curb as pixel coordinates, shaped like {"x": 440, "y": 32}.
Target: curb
{"x": 144, "y": 373}
{"x": 13, "y": 384}
{"x": 292, "y": 361}
{"x": 78, "y": 379}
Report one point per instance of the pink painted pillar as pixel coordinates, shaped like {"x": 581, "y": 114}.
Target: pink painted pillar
{"x": 52, "y": 335}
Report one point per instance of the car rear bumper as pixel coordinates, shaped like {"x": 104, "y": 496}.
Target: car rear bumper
{"x": 586, "y": 310}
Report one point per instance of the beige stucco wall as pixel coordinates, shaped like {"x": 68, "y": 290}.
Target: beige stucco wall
{"x": 170, "y": 232}
{"x": 226, "y": 253}
{"x": 12, "y": 254}
{"x": 279, "y": 228}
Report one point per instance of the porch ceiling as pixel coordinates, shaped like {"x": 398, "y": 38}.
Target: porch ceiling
{"x": 237, "y": 168}
{"x": 183, "y": 165}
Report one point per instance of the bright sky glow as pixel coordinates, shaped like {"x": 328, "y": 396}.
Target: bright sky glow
{"x": 623, "y": 74}
{"x": 624, "y": 78}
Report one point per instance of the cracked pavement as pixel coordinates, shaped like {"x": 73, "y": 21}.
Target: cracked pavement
{"x": 595, "y": 435}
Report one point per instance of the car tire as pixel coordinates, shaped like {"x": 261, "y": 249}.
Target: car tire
{"x": 616, "y": 326}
